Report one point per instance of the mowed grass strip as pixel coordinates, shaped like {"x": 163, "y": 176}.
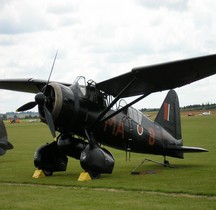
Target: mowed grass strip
{"x": 57, "y": 197}
{"x": 195, "y": 175}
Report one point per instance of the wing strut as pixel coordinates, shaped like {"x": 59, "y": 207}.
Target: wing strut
{"x": 113, "y": 102}
{"x": 124, "y": 107}
{"x": 100, "y": 118}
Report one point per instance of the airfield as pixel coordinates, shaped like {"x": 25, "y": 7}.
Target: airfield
{"x": 191, "y": 184}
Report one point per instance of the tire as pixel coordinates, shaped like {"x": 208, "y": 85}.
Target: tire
{"x": 47, "y": 173}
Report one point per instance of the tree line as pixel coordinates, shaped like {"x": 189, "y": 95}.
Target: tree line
{"x": 207, "y": 106}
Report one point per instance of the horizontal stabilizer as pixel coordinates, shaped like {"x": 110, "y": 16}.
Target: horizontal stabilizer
{"x": 6, "y": 145}
{"x": 178, "y": 151}
{"x": 185, "y": 149}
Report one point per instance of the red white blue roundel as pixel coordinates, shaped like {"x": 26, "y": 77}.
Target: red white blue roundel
{"x": 139, "y": 130}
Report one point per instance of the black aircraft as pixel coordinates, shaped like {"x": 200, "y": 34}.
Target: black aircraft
{"x": 84, "y": 115}
{"x": 4, "y": 143}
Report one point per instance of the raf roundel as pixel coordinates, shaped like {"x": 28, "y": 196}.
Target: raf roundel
{"x": 139, "y": 130}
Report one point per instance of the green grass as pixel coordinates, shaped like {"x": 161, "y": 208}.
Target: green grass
{"x": 192, "y": 182}
{"x": 49, "y": 197}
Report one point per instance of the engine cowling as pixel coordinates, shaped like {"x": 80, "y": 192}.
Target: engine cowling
{"x": 63, "y": 105}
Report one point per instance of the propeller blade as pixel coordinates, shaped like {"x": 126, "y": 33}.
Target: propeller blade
{"x": 49, "y": 121}
{"x": 51, "y": 71}
{"x": 27, "y": 106}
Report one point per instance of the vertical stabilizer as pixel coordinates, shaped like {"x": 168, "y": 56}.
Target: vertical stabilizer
{"x": 169, "y": 115}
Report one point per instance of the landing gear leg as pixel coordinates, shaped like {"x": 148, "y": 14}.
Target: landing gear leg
{"x": 166, "y": 162}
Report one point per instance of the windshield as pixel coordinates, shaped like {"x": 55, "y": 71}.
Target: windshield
{"x": 81, "y": 83}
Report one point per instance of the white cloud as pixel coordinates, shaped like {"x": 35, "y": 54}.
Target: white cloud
{"x": 102, "y": 39}
{"x": 22, "y": 17}
{"x": 177, "y": 5}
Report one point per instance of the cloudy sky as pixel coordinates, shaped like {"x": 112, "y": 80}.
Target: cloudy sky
{"x": 102, "y": 39}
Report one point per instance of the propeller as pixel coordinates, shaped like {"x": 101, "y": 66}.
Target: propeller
{"x": 27, "y": 106}
{"x": 41, "y": 99}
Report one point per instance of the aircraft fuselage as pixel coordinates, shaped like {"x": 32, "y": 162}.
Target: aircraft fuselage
{"x": 122, "y": 132}
{"x": 129, "y": 130}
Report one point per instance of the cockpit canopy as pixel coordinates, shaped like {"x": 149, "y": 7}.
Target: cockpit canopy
{"x": 89, "y": 91}
{"x": 131, "y": 112}
{"x": 80, "y": 82}
{"x": 135, "y": 115}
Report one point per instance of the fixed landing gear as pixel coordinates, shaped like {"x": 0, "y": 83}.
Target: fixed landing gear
{"x": 49, "y": 159}
{"x": 47, "y": 173}
{"x": 166, "y": 162}
{"x": 94, "y": 175}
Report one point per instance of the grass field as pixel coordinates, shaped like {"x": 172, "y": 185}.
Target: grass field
{"x": 190, "y": 185}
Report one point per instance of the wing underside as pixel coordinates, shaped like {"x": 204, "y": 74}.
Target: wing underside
{"x": 149, "y": 79}
{"x": 139, "y": 81}
{"x": 25, "y": 85}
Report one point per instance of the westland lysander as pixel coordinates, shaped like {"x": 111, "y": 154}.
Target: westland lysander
{"x": 83, "y": 114}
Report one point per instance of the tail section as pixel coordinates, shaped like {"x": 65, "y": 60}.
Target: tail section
{"x": 4, "y": 143}
{"x": 169, "y": 118}
{"x": 169, "y": 115}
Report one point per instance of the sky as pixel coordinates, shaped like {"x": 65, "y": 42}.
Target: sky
{"x": 102, "y": 39}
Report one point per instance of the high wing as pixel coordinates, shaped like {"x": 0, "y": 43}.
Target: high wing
{"x": 25, "y": 85}
{"x": 139, "y": 81}
{"x": 149, "y": 79}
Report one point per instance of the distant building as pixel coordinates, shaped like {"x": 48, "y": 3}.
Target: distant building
{"x": 22, "y": 115}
